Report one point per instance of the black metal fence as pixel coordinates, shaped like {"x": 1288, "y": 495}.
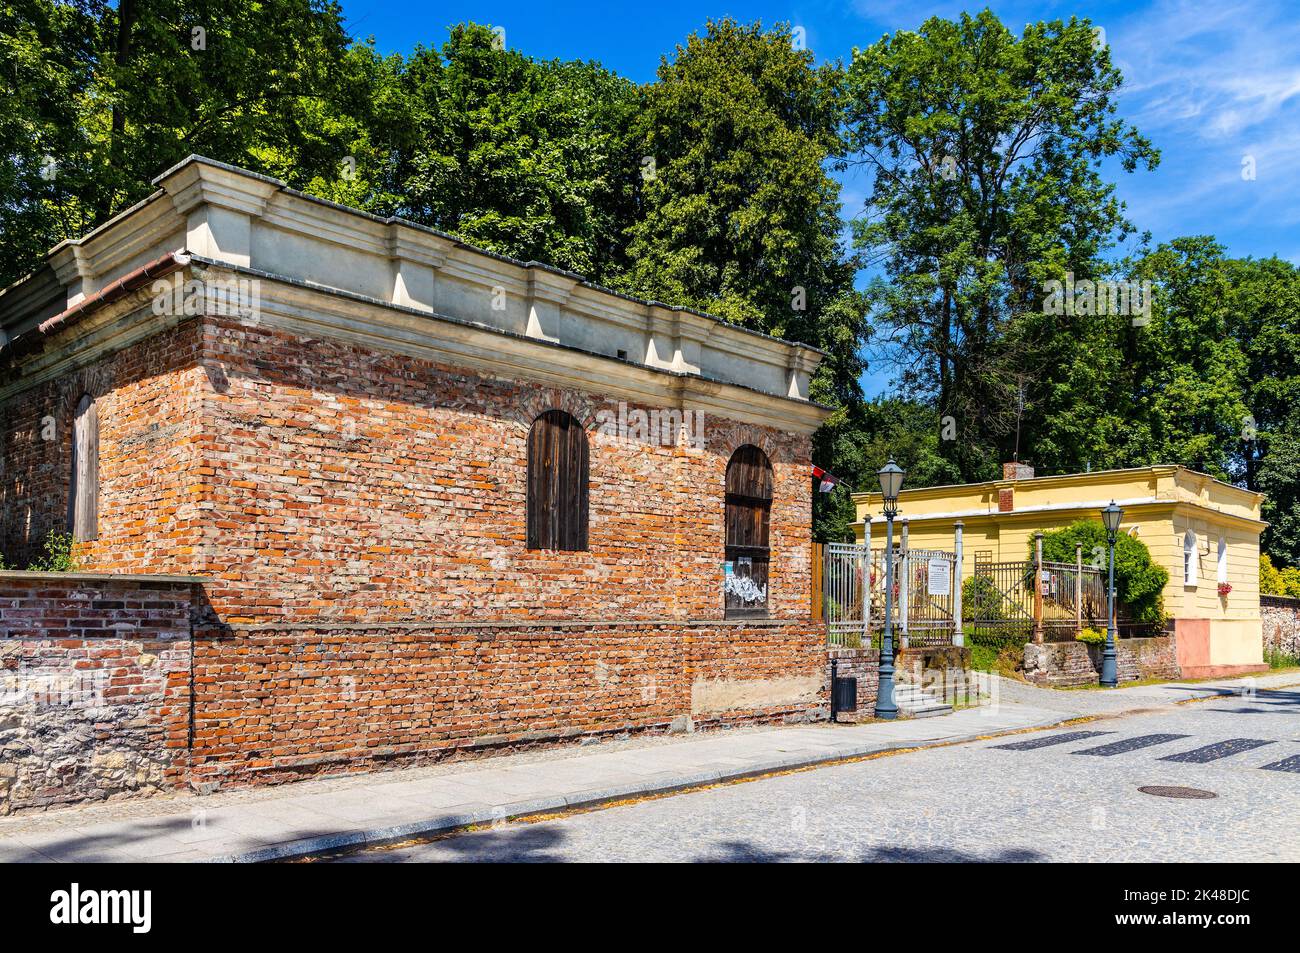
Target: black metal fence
{"x": 1007, "y": 601}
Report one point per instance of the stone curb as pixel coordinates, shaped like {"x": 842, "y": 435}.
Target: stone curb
{"x": 444, "y": 823}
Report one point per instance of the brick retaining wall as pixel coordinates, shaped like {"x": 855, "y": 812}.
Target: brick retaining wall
{"x": 94, "y": 687}
{"x": 863, "y": 665}
{"x": 275, "y": 704}
{"x": 1065, "y": 664}
{"x": 108, "y": 693}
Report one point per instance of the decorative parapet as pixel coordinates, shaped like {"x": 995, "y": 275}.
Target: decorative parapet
{"x": 251, "y": 223}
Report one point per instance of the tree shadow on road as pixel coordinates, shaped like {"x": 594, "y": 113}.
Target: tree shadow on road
{"x": 741, "y": 852}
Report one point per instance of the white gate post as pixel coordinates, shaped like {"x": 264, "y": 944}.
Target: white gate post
{"x": 866, "y": 583}
{"x": 904, "y": 587}
{"x": 958, "y": 637}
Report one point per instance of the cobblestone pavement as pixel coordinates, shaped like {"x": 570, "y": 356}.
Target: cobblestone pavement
{"x": 1005, "y": 799}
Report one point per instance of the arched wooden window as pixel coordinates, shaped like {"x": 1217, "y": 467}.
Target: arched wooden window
{"x": 749, "y": 510}
{"x": 83, "y": 490}
{"x": 557, "y": 483}
{"x": 1191, "y": 559}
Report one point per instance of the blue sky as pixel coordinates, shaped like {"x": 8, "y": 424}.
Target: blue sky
{"x": 1211, "y": 84}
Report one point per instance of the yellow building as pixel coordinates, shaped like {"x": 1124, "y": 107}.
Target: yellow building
{"x": 1203, "y": 531}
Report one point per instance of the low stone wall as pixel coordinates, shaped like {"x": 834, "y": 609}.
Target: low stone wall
{"x": 94, "y": 687}
{"x": 1281, "y": 624}
{"x": 863, "y": 665}
{"x": 942, "y": 671}
{"x": 1067, "y": 664}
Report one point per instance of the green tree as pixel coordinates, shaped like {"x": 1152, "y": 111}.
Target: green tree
{"x": 1212, "y": 382}
{"x": 108, "y": 96}
{"x": 984, "y": 150}
{"x": 739, "y": 214}
{"x": 530, "y": 159}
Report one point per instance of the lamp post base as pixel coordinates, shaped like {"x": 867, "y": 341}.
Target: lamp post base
{"x": 886, "y": 709}
{"x": 1109, "y": 663}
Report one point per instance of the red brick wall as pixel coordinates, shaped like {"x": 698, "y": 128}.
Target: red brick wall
{"x": 97, "y": 698}
{"x": 352, "y": 485}
{"x": 272, "y": 705}
{"x": 354, "y": 511}
{"x": 147, "y": 399}
{"x": 317, "y": 481}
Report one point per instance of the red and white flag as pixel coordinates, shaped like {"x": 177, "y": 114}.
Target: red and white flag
{"x": 828, "y": 480}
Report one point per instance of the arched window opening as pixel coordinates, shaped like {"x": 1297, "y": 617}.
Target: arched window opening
{"x": 557, "y": 483}
{"x": 1223, "y": 560}
{"x": 748, "y": 516}
{"x": 83, "y": 490}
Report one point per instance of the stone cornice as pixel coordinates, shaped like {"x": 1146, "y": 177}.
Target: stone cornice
{"x": 313, "y": 311}
{"x": 201, "y": 183}
{"x": 245, "y": 220}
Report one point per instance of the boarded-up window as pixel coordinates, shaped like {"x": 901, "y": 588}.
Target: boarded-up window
{"x": 83, "y": 493}
{"x": 749, "y": 510}
{"x": 557, "y": 483}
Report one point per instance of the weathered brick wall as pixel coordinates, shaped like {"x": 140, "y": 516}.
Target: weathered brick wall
{"x": 355, "y": 485}
{"x": 148, "y": 400}
{"x": 1281, "y": 625}
{"x": 94, "y": 691}
{"x": 365, "y": 507}
{"x": 863, "y": 665}
{"x": 318, "y": 481}
{"x": 1062, "y": 664}
{"x": 275, "y": 704}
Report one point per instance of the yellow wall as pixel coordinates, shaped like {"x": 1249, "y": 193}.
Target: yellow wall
{"x": 1160, "y": 505}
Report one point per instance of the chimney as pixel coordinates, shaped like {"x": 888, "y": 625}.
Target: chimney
{"x": 1017, "y": 471}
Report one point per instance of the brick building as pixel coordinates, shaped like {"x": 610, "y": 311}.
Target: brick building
{"x": 428, "y": 498}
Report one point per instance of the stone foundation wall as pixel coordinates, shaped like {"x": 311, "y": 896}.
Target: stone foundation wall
{"x": 1281, "y": 624}
{"x": 94, "y": 688}
{"x": 1066, "y": 664}
{"x": 942, "y": 671}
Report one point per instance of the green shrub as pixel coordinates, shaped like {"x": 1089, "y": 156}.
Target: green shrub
{"x": 981, "y": 600}
{"x": 58, "y": 555}
{"x": 1139, "y": 582}
{"x": 1278, "y": 582}
{"x": 1091, "y": 637}
{"x": 982, "y": 657}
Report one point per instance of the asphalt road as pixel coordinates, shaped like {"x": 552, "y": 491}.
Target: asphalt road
{"x": 1075, "y": 799}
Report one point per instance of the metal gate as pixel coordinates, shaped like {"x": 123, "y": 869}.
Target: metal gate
{"x": 926, "y": 612}
{"x": 847, "y": 577}
{"x": 853, "y": 595}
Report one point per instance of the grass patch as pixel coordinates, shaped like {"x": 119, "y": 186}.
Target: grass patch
{"x": 1280, "y": 661}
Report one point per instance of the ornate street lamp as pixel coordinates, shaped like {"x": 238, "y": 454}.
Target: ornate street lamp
{"x": 1111, "y": 516}
{"x": 891, "y": 482}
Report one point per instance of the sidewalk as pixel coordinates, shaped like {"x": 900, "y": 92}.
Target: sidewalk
{"x": 321, "y": 814}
